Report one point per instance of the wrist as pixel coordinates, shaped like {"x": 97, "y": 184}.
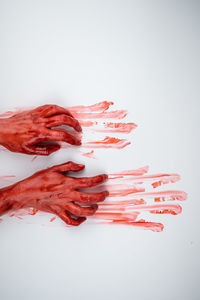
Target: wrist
{"x": 2, "y": 130}
{"x": 5, "y": 201}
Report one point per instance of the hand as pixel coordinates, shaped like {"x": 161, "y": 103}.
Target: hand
{"x": 30, "y": 132}
{"x": 52, "y": 191}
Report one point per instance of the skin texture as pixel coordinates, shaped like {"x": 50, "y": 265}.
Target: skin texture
{"x": 52, "y": 190}
{"x": 31, "y": 132}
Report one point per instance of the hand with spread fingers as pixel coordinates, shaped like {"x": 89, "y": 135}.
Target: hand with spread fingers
{"x": 31, "y": 132}
{"x": 52, "y": 190}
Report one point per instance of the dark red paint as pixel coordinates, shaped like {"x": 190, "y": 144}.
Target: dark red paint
{"x": 52, "y": 191}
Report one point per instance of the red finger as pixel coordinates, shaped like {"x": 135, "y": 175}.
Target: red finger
{"x": 50, "y": 110}
{"x": 62, "y": 136}
{"x": 67, "y": 218}
{"x": 63, "y": 120}
{"x": 89, "y": 198}
{"x": 87, "y": 182}
{"x": 69, "y": 166}
{"x": 80, "y": 211}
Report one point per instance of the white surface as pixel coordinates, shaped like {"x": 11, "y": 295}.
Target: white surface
{"x": 144, "y": 55}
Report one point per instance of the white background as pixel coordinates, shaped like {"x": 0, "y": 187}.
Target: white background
{"x": 144, "y": 56}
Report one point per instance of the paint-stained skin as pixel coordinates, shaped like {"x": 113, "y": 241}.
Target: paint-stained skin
{"x": 53, "y": 191}
{"x": 30, "y": 132}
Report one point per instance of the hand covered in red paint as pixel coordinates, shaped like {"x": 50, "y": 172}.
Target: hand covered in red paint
{"x": 30, "y": 132}
{"x": 52, "y": 191}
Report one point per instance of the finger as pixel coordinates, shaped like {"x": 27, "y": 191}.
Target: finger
{"x": 89, "y": 198}
{"x": 80, "y": 211}
{"x": 69, "y": 166}
{"x": 63, "y": 120}
{"x": 67, "y": 218}
{"x": 50, "y": 110}
{"x": 62, "y": 136}
{"x": 87, "y": 182}
{"x": 41, "y": 149}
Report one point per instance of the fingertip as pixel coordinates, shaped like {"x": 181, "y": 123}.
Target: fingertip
{"x": 78, "y": 128}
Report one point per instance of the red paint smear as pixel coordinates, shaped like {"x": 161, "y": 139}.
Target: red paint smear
{"x": 165, "y": 195}
{"x": 98, "y": 107}
{"x": 136, "y": 172}
{"x": 156, "y": 227}
{"x": 87, "y": 123}
{"x": 119, "y": 190}
{"x": 173, "y": 209}
{"x": 115, "y": 114}
{"x": 34, "y": 158}
{"x": 7, "y": 177}
{"x": 122, "y": 203}
{"x": 89, "y": 154}
{"x": 107, "y": 142}
{"x": 157, "y": 178}
{"x": 52, "y": 219}
{"x": 109, "y": 127}
{"x": 1, "y": 220}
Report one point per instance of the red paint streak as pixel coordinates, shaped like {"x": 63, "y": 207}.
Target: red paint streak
{"x": 117, "y": 127}
{"x": 109, "y": 127}
{"x": 136, "y": 172}
{"x": 15, "y": 111}
{"x": 157, "y": 178}
{"x": 173, "y": 209}
{"x": 107, "y": 142}
{"x": 34, "y": 158}
{"x": 98, "y": 107}
{"x": 122, "y": 203}
{"x": 52, "y": 219}
{"x": 164, "y": 195}
{"x": 115, "y": 114}
{"x": 117, "y": 216}
{"x": 87, "y": 123}
{"x": 1, "y": 220}
{"x": 89, "y": 154}
{"x": 7, "y": 177}
{"x": 142, "y": 224}
{"x": 120, "y": 190}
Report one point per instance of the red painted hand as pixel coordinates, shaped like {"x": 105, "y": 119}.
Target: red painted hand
{"x": 30, "y": 132}
{"x": 52, "y": 191}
